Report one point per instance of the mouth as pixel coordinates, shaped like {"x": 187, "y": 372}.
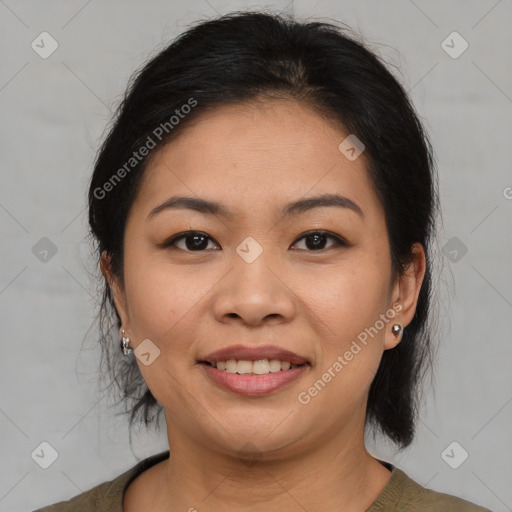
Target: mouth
{"x": 253, "y": 371}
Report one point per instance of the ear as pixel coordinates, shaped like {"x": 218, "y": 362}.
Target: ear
{"x": 405, "y": 294}
{"x": 116, "y": 290}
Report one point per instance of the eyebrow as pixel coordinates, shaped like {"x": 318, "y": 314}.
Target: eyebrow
{"x": 295, "y": 208}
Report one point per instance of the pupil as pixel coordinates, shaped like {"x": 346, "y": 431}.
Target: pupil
{"x": 319, "y": 241}
{"x": 198, "y": 242}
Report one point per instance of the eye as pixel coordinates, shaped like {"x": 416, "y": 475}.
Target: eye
{"x": 316, "y": 240}
{"x": 193, "y": 241}
{"x": 197, "y": 241}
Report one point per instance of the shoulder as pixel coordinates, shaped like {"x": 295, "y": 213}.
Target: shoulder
{"x": 402, "y": 493}
{"x": 104, "y": 497}
{"x": 108, "y": 496}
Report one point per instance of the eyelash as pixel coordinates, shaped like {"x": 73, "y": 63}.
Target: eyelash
{"x": 339, "y": 241}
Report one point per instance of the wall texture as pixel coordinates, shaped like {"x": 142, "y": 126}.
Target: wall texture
{"x": 64, "y": 66}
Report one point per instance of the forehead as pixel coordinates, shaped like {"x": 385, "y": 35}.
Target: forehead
{"x": 256, "y": 154}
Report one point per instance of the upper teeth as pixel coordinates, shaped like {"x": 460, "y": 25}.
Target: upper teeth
{"x": 260, "y": 367}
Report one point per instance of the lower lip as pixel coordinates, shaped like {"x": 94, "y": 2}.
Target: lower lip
{"x": 253, "y": 385}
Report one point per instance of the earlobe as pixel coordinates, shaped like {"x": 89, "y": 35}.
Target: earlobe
{"x": 395, "y": 329}
{"x": 405, "y": 293}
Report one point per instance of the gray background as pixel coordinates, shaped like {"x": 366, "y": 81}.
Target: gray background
{"x": 54, "y": 112}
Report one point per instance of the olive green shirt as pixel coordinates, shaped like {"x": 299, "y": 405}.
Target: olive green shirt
{"x": 401, "y": 494}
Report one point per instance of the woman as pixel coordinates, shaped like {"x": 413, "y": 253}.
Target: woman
{"x": 264, "y": 207}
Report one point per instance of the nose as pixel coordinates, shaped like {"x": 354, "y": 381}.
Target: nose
{"x": 253, "y": 294}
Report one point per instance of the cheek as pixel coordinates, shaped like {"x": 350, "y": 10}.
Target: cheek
{"x": 162, "y": 302}
{"x": 348, "y": 301}
{"x": 347, "y": 298}
{"x": 159, "y": 295}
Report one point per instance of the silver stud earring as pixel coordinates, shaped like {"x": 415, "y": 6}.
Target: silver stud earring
{"x": 125, "y": 342}
{"x": 397, "y": 331}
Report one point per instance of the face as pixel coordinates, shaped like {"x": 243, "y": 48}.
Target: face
{"x": 314, "y": 279}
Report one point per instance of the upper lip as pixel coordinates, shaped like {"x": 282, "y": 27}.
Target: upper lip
{"x": 246, "y": 353}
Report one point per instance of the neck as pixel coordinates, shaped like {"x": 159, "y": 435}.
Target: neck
{"x": 338, "y": 475}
